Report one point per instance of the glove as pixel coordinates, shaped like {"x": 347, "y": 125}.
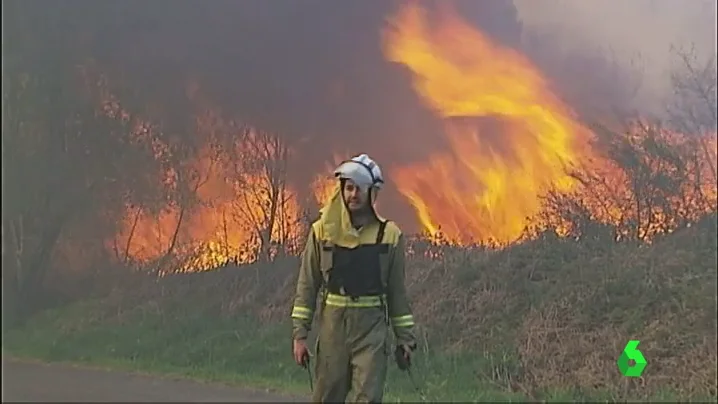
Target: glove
{"x": 402, "y": 356}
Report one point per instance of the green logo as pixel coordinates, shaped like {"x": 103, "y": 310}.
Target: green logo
{"x": 631, "y": 353}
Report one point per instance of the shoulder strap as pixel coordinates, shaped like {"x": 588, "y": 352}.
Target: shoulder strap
{"x": 380, "y": 233}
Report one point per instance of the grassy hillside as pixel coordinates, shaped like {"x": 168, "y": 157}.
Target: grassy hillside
{"x": 542, "y": 320}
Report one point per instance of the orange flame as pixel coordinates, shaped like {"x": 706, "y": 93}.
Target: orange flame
{"x": 231, "y": 218}
{"x": 510, "y": 140}
{"x": 661, "y": 180}
{"x": 492, "y": 178}
{"x": 324, "y": 185}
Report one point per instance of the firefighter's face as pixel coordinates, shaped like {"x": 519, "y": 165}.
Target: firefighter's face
{"x": 354, "y": 197}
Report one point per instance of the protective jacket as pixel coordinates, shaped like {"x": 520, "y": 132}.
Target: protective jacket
{"x": 356, "y": 284}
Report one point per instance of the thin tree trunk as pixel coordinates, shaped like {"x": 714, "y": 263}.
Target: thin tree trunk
{"x": 173, "y": 242}
{"x": 10, "y": 277}
{"x": 226, "y": 234}
{"x": 131, "y": 235}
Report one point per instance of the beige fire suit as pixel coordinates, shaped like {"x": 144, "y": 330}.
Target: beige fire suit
{"x": 363, "y": 296}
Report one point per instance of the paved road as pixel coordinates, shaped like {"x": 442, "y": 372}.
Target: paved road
{"x": 31, "y": 381}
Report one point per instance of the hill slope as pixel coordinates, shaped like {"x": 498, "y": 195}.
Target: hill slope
{"x": 543, "y": 319}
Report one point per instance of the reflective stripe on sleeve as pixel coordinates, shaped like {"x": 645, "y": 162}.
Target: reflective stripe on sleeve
{"x": 403, "y": 321}
{"x": 301, "y": 312}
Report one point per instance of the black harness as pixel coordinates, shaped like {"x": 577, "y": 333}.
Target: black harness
{"x": 357, "y": 271}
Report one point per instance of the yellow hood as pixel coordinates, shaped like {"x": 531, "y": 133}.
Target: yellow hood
{"x": 336, "y": 223}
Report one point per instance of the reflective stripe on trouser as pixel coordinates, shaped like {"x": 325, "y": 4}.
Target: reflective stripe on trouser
{"x": 351, "y": 354}
{"x": 403, "y": 321}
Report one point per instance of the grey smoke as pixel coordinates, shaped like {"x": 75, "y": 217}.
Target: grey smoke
{"x": 636, "y": 35}
{"x": 313, "y": 70}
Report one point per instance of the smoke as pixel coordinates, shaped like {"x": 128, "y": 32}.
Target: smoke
{"x": 313, "y": 70}
{"x": 635, "y": 36}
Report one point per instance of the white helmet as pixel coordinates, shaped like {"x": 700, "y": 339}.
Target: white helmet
{"x": 361, "y": 169}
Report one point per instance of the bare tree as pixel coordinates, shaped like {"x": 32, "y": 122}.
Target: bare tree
{"x": 265, "y": 204}
{"x": 645, "y": 186}
{"x": 652, "y": 179}
{"x": 693, "y": 107}
{"x": 187, "y": 178}
{"x": 192, "y": 160}
{"x": 62, "y": 164}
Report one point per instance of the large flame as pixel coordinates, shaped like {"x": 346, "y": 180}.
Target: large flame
{"x": 491, "y": 179}
{"x": 510, "y": 143}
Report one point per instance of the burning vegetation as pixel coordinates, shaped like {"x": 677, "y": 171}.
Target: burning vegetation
{"x": 101, "y": 174}
{"x": 518, "y": 162}
{"x": 510, "y": 139}
{"x": 237, "y": 208}
{"x": 512, "y": 142}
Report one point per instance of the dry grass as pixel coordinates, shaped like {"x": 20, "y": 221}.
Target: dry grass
{"x": 547, "y": 315}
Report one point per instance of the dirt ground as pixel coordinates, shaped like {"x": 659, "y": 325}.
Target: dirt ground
{"x": 35, "y": 382}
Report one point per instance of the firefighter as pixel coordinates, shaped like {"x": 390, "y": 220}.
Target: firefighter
{"x": 354, "y": 260}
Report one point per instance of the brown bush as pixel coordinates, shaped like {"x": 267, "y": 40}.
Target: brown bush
{"x": 550, "y": 313}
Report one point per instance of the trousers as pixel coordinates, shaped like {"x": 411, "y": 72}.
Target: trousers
{"x": 351, "y": 355}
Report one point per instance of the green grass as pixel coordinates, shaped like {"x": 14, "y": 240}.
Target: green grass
{"x": 543, "y": 320}
{"x": 240, "y": 351}
{"x": 236, "y": 351}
